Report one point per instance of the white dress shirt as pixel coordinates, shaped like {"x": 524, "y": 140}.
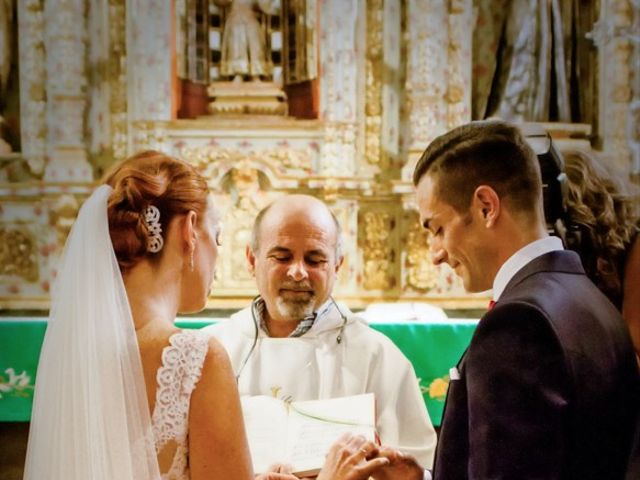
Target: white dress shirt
{"x": 522, "y": 257}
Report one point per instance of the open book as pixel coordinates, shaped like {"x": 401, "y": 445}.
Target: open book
{"x": 301, "y": 433}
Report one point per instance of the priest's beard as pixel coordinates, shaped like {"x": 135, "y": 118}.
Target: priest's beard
{"x": 295, "y": 309}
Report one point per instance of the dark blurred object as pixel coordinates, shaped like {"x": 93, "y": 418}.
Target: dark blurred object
{"x": 554, "y": 180}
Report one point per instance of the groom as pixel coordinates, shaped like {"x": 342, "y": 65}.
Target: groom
{"x": 548, "y": 387}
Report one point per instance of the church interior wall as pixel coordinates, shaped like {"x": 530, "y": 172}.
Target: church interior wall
{"x": 366, "y": 86}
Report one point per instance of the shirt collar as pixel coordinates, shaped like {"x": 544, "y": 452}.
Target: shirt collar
{"x": 303, "y": 326}
{"x": 522, "y": 257}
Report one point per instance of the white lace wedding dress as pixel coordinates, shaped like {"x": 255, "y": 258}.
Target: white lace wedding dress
{"x": 178, "y": 375}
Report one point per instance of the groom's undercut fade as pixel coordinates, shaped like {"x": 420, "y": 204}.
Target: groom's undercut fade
{"x": 486, "y": 152}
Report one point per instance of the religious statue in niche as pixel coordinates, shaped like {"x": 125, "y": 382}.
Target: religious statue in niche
{"x": 530, "y": 60}
{"x": 244, "y": 47}
{"x": 245, "y": 55}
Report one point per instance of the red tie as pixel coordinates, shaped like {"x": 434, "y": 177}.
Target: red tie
{"x": 492, "y": 303}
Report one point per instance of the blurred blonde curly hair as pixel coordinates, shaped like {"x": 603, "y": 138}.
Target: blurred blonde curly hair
{"x": 603, "y": 211}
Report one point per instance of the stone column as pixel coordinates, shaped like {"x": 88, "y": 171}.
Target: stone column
{"x": 338, "y": 86}
{"x": 459, "y": 63}
{"x": 149, "y": 56}
{"x": 438, "y": 71}
{"x": 33, "y": 125}
{"x": 392, "y": 85}
{"x": 613, "y": 35}
{"x": 65, "y": 37}
{"x": 107, "y": 87}
{"x": 426, "y": 70}
{"x": 633, "y": 118}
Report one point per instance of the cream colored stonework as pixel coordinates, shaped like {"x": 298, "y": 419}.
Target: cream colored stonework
{"x": 392, "y": 75}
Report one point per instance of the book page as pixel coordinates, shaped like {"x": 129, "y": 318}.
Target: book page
{"x": 265, "y": 420}
{"x": 315, "y": 425}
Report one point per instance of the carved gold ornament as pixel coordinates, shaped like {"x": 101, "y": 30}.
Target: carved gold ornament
{"x": 421, "y": 275}
{"x": 18, "y": 256}
{"x": 377, "y": 252}
{"x": 373, "y": 93}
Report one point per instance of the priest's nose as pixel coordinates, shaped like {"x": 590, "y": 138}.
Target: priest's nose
{"x": 297, "y": 271}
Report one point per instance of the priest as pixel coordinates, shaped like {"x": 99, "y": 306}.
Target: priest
{"x": 295, "y": 342}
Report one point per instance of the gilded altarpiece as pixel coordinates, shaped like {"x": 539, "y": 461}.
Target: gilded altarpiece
{"x": 391, "y": 75}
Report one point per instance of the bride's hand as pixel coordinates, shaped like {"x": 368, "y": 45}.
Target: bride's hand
{"x": 351, "y": 458}
{"x": 277, "y": 471}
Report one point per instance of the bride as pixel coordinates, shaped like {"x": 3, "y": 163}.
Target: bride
{"x": 121, "y": 393}
{"x": 142, "y": 250}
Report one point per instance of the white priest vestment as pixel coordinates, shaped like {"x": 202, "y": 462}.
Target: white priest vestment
{"x": 318, "y": 366}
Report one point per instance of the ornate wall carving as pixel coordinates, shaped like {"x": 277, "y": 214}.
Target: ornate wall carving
{"x": 31, "y": 242}
{"x": 338, "y": 152}
{"x": 18, "y": 255}
{"x": 246, "y": 191}
{"x": 212, "y": 159}
{"x": 62, "y": 214}
{"x": 393, "y": 75}
{"x": 420, "y": 274}
{"x": 378, "y": 255}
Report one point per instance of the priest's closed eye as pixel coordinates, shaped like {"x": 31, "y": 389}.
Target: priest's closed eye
{"x": 315, "y": 261}
{"x": 280, "y": 257}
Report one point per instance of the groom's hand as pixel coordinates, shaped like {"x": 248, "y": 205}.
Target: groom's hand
{"x": 351, "y": 458}
{"x": 401, "y": 466}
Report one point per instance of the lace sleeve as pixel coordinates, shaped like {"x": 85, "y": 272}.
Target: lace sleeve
{"x": 177, "y": 377}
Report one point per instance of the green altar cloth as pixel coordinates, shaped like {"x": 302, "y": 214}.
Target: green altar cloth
{"x": 432, "y": 347}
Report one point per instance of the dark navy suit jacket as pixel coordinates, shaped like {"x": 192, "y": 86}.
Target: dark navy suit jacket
{"x": 548, "y": 387}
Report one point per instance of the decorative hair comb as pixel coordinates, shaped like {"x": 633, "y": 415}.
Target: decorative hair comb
{"x": 151, "y": 216}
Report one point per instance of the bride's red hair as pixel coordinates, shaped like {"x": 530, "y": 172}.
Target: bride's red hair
{"x": 150, "y": 178}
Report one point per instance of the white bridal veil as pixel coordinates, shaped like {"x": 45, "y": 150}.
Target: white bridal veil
{"x": 90, "y": 416}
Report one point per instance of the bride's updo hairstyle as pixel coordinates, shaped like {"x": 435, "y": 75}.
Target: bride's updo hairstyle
{"x": 150, "y": 179}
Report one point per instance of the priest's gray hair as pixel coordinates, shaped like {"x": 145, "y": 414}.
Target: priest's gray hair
{"x": 254, "y": 243}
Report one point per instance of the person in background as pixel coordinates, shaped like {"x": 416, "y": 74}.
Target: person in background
{"x": 604, "y": 220}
